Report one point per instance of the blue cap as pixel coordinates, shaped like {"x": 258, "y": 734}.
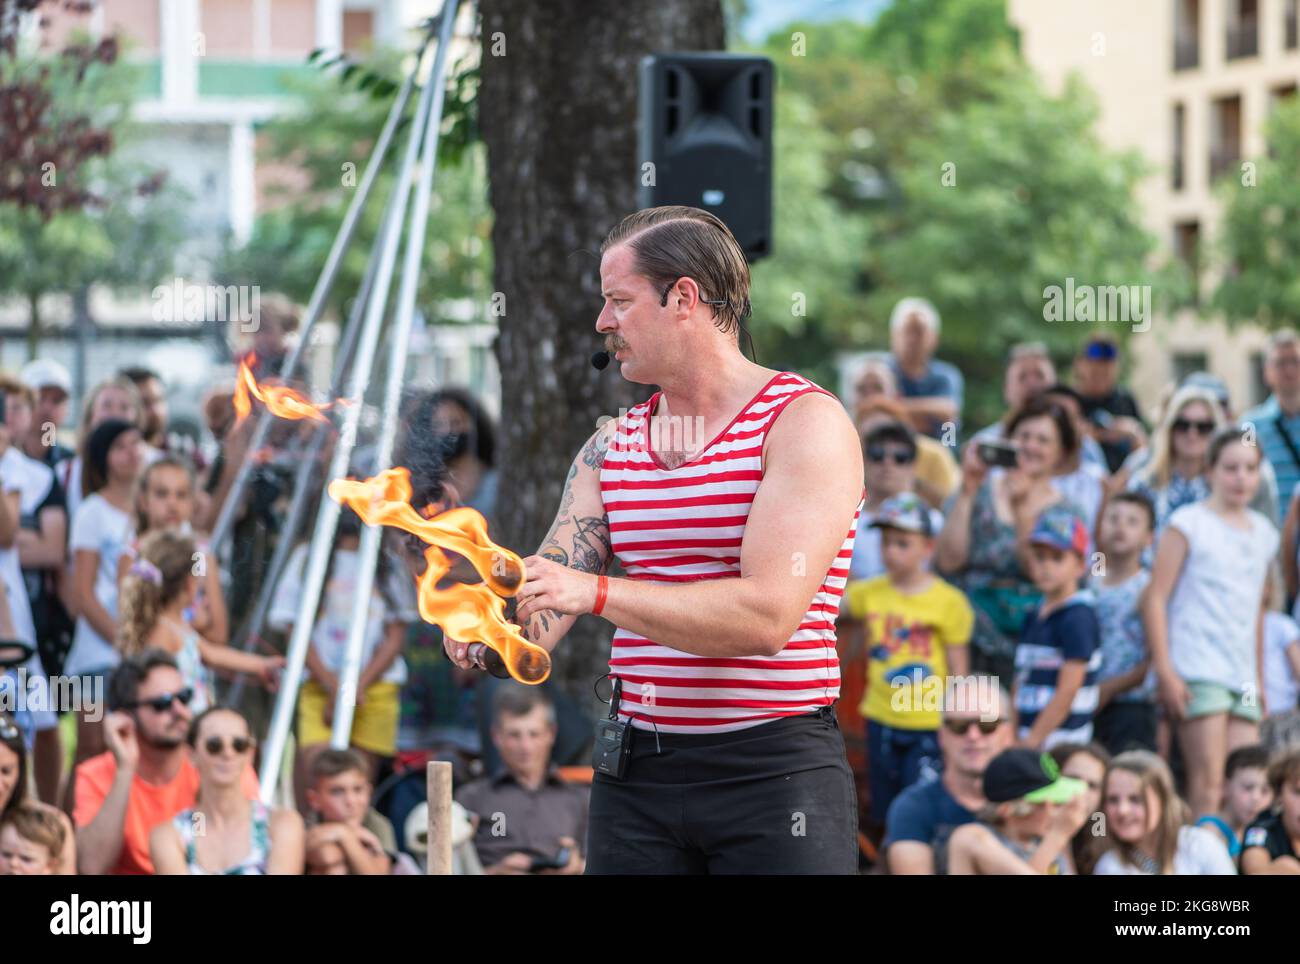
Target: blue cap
{"x": 1062, "y": 529}
{"x": 905, "y": 512}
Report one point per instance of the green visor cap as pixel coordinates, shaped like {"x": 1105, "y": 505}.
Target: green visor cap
{"x": 1063, "y": 790}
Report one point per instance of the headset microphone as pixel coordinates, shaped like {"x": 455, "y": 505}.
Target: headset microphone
{"x": 600, "y": 360}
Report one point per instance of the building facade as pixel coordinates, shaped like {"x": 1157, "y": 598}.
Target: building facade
{"x": 1188, "y": 84}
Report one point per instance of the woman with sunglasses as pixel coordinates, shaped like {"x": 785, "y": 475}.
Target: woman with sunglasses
{"x": 226, "y": 832}
{"x": 1175, "y": 475}
{"x": 14, "y": 789}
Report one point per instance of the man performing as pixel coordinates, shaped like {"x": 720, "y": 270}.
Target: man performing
{"x": 730, "y": 499}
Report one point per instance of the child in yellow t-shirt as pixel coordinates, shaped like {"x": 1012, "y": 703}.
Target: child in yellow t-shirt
{"x": 917, "y": 628}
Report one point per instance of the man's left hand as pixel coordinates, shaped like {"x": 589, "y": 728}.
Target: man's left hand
{"x": 551, "y": 586}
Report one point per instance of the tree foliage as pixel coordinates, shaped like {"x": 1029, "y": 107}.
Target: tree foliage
{"x": 328, "y": 136}
{"x": 1259, "y": 243}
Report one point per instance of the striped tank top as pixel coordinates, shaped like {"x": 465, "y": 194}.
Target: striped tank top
{"x": 687, "y": 523}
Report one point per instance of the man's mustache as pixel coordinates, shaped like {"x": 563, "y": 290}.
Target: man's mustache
{"x": 614, "y": 343}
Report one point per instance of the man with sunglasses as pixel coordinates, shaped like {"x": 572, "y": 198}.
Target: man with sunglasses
{"x": 977, "y": 725}
{"x": 889, "y": 452}
{"x": 145, "y": 777}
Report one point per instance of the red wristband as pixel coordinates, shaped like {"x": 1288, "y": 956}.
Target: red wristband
{"x": 602, "y": 590}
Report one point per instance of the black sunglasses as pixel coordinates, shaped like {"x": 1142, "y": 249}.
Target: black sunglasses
{"x": 1187, "y": 424}
{"x": 163, "y": 702}
{"x": 962, "y": 727}
{"x": 215, "y": 745}
{"x": 878, "y": 454}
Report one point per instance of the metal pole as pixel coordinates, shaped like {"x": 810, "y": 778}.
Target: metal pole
{"x": 327, "y": 518}
{"x": 345, "y": 699}
{"x": 324, "y": 283}
{"x": 302, "y": 484}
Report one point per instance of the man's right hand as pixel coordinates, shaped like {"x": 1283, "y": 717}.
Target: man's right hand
{"x": 457, "y": 652}
{"x": 119, "y": 735}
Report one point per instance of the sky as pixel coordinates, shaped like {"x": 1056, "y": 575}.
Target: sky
{"x": 767, "y": 15}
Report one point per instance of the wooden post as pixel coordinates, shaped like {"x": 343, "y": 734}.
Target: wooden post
{"x": 439, "y": 854}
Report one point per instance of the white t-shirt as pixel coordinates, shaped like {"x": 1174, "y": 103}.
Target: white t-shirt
{"x": 32, "y": 481}
{"x": 1215, "y": 605}
{"x": 1201, "y": 853}
{"x": 1281, "y": 688}
{"x": 70, "y": 473}
{"x": 330, "y": 636}
{"x": 99, "y": 527}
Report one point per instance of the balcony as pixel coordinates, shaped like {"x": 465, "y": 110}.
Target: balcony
{"x": 1242, "y": 39}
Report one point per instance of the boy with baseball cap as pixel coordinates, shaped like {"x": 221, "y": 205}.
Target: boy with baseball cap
{"x": 917, "y": 628}
{"x": 1059, "y": 655}
{"x": 1032, "y": 815}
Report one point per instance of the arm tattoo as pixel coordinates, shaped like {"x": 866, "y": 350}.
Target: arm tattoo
{"x": 593, "y": 455}
{"x": 591, "y": 545}
{"x": 591, "y": 542}
{"x": 566, "y": 500}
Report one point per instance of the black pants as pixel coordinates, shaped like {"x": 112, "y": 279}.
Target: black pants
{"x": 777, "y": 798}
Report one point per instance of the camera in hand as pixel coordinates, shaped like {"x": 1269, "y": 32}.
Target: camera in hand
{"x": 558, "y": 862}
{"x": 995, "y": 452}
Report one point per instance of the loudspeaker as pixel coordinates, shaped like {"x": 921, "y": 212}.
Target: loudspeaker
{"x": 705, "y": 124}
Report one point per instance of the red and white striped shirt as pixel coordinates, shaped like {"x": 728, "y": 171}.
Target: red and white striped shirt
{"x": 687, "y": 523}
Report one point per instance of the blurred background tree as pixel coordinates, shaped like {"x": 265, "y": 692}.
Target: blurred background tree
{"x": 1259, "y": 244}
{"x": 76, "y": 208}
{"x": 327, "y": 138}
{"x": 1036, "y": 197}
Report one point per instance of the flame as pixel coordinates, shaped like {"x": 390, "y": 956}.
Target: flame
{"x": 470, "y": 613}
{"x": 282, "y": 402}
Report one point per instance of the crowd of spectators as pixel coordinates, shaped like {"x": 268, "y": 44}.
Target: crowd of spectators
{"x": 1074, "y": 628}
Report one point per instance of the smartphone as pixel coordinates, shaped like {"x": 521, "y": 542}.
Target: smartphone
{"x": 558, "y": 862}
{"x": 997, "y": 453}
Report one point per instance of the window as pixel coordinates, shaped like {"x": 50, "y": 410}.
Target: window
{"x": 1225, "y": 135}
{"x": 1290, "y": 14}
{"x": 1187, "y": 32}
{"x": 1180, "y": 125}
{"x": 1187, "y": 362}
{"x": 1187, "y": 244}
{"x": 1242, "y": 24}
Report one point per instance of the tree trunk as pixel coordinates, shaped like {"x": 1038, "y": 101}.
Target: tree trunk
{"x": 558, "y": 109}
